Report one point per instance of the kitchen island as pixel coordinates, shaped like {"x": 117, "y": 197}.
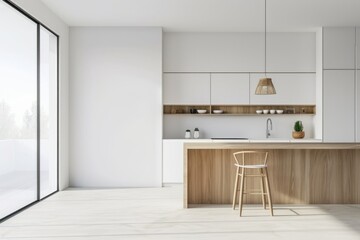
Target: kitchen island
{"x": 299, "y": 172}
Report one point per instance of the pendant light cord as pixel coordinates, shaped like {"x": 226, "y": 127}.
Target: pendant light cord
{"x": 265, "y": 39}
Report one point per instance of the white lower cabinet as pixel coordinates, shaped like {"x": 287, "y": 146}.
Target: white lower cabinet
{"x": 173, "y": 160}
{"x": 339, "y": 106}
{"x": 358, "y": 105}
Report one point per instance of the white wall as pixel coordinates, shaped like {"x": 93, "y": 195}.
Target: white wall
{"x": 41, "y": 12}
{"x": 235, "y": 126}
{"x": 116, "y": 106}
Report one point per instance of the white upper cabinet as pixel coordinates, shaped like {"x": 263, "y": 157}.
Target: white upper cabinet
{"x": 339, "y": 106}
{"x": 186, "y": 88}
{"x": 291, "y": 88}
{"x": 358, "y": 48}
{"x": 213, "y": 52}
{"x": 291, "y": 52}
{"x": 239, "y": 52}
{"x": 229, "y": 88}
{"x": 339, "y": 47}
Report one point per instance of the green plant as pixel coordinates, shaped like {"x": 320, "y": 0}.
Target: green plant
{"x": 298, "y": 127}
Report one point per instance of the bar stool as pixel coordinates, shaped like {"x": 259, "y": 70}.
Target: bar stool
{"x": 263, "y": 174}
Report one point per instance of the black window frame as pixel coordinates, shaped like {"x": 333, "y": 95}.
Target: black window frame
{"x": 39, "y": 25}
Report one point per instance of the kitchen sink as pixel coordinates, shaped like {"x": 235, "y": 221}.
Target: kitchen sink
{"x": 270, "y": 140}
{"x": 231, "y": 138}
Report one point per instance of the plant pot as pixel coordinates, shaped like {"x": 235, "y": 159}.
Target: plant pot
{"x": 298, "y": 135}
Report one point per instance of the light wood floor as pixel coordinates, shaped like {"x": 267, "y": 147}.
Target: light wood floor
{"x": 158, "y": 214}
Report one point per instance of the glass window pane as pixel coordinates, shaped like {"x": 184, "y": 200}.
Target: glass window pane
{"x": 18, "y": 110}
{"x": 48, "y": 112}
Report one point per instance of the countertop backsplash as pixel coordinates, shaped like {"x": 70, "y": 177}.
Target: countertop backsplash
{"x": 253, "y": 127}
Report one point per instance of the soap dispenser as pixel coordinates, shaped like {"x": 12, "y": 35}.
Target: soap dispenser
{"x": 187, "y": 134}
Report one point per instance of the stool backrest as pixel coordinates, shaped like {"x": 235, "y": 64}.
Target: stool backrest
{"x": 240, "y": 156}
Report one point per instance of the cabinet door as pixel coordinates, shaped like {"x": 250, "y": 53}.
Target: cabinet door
{"x": 229, "y": 88}
{"x": 291, "y": 52}
{"x": 213, "y": 52}
{"x": 358, "y": 48}
{"x": 291, "y": 89}
{"x": 339, "y": 106}
{"x": 186, "y": 88}
{"x": 357, "y": 119}
{"x": 173, "y": 161}
{"x": 339, "y": 47}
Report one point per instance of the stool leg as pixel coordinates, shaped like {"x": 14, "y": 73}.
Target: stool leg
{"x": 262, "y": 189}
{"x": 241, "y": 190}
{"x": 236, "y": 185}
{"x": 268, "y": 191}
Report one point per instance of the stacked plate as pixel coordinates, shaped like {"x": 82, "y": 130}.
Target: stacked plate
{"x": 218, "y": 111}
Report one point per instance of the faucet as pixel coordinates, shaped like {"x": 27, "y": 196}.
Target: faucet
{"x": 267, "y": 127}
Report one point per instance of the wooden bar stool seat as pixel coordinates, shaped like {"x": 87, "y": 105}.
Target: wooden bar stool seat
{"x": 241, "y": 167}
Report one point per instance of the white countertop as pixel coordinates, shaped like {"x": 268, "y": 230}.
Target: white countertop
{"x": 265, "y": 140}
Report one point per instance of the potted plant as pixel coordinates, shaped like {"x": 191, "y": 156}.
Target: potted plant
{"x": 298, "y": 130}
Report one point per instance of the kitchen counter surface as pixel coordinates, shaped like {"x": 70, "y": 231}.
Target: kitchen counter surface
{"x": 258, "y": 144}
{"x": 265, "y": 140}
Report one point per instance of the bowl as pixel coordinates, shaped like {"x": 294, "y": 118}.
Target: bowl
{"x": 265, "y": 111}
{"x": 279, "y": 111}
{"x": 201, "y": 111}
{"x": 218, "y": 111}
{"x": 259, "y": 111}
{"x": 272, "y": 111}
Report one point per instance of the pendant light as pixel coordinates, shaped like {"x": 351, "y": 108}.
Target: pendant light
{"x": 265, "y": 85}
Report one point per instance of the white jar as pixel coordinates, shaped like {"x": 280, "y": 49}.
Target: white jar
{"x": 187, "y": 134}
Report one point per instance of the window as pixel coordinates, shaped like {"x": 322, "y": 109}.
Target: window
{"x": 48, "y": 112}
{"x": 28, "y": 110}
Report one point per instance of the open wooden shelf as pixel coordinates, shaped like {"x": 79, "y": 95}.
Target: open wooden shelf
{"x": 185, "y": 109}
{"x": 239, "y": 110}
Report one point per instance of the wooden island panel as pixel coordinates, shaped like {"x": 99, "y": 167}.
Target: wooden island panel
{"x": 297, "y": 176}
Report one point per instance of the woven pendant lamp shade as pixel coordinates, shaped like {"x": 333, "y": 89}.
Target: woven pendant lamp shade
{"x": 265, "y": 87}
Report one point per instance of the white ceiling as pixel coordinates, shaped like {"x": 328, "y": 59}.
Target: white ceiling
{"x": 209, "y": 15}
